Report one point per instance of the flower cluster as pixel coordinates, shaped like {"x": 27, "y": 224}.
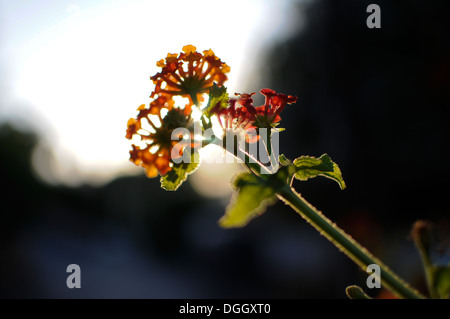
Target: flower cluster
{"x": 161, "y": 119}
{"x": 169, "y": 133}
{"x": 241, "y": 114}
{"x": 191, "y": 74}
{"x": 188, "y": 74}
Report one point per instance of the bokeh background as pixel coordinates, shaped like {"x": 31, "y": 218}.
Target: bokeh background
{"x": 73, "y": 72}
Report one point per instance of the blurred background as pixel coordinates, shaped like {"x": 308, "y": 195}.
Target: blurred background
{"x": 73, "y": 72}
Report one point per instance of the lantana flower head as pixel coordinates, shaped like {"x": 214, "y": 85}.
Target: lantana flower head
{"x": 161, "y": 119}
{"x": 241, "y": 114}
{"x": 189, "y": 74}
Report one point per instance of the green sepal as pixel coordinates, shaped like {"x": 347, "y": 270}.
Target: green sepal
{"x": 253, "y": 196}
{"x": 179, "y": 173}
{"x": 217, "y": 94}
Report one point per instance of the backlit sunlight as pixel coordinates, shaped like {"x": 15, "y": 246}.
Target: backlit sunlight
{"x": 74, "y": 70}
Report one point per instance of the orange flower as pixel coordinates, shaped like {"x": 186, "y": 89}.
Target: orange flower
{"x": 153, "y": 163}
{"x": 132, "y": 127}
{"x": 268, "y": 114}
{"x": 155, "y": 157}
{"x": 189, "y": 74}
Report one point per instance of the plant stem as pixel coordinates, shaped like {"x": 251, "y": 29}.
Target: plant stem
{"x": 421, "y": 235}
{"x": 345, "y": 243}
{"x": 361, "y": 256}
{"x": 429, "y": 274}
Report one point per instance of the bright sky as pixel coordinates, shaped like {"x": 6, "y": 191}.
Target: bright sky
{"x": 76, "y": 71}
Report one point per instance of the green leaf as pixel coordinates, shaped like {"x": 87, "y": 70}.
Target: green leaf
{"x": 307, "y": 167}
{"x": 179, "y": 173}
{"x": 441, "y": 276}
{"x": 356, "y": 292}
{"x": 253, "y": 196}
{"x": 217, "y": 94}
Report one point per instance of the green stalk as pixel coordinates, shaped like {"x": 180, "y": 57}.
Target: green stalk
{"x": 345, "y": 243}
{"x": 361, "y": 256}
{"x": 421, "y": 235}
{"x": 194, "y": 98}
{"x": 428, "y": 273}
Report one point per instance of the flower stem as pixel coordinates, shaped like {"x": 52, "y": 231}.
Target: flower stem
{"x": 421, "y": 236}
{"x": 345, "y": 243}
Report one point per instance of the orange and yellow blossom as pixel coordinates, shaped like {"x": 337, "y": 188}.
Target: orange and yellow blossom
{"x": 156, "y": 156}
{"x": 189, "y": 74}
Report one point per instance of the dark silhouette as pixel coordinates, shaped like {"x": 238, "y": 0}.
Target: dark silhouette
{"x": 376, "y": 100}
